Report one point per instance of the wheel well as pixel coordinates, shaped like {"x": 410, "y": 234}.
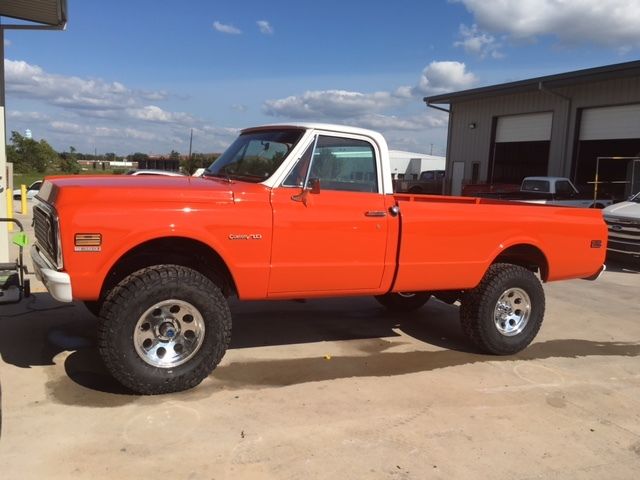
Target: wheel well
{"x": 176, "y": 251}
{"x": 526, "y": 256}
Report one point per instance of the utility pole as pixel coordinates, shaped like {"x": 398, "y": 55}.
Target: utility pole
{"x": 190, "y": 143}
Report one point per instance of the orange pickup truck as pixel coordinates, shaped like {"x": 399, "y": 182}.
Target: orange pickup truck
{"x": 290, "y": 212}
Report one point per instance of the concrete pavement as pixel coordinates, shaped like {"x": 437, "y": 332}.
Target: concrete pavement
{"x": 337, "y": 389}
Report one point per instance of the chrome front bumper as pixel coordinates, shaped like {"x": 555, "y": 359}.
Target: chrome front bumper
{"x": 58, "y": 283}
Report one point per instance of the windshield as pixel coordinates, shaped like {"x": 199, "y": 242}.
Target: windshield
{"x": 254, "y": 156}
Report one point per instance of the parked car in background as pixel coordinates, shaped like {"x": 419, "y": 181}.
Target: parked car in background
{"x": 623, "y": 221}
{"x": 32, "y": 190}
{"x": 546, "y": 190}
{"x": 154, "y": 172}
{"x": 429, "y": 181}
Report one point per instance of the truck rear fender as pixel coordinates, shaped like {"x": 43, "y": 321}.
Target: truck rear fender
{"x": 182, "y": 251}
{"x": 526, "y": 255}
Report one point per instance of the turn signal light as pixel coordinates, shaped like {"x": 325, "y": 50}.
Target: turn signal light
{"x": 88, "y": 239}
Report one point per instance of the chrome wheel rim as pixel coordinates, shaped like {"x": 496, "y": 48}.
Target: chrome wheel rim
{"x": 169, "y": 333}
{"x": 512, "y": 312}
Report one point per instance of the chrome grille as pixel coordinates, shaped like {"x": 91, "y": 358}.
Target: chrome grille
{"x": 46, "y": 231}
{"x": 624, "y": 234}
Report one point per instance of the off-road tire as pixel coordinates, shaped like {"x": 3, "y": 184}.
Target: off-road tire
{"x": 479, "y": 309}
{"x": 123, "y": 308}
{"x": 403, "y": 302}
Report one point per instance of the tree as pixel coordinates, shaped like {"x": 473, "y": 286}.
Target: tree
{"x": 28, "y": 155}
{"x": 198, "y": 160}
{"x": 140, "y": 158}
{"x": 68, "y": 161}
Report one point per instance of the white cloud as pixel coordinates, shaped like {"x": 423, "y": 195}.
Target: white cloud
{"x": 478, "y": 43}
{"x": 612, "y": 23}
{"x": 265, "y": 27}
{"x": 379, "y": 110}
{"x": 444, "y": 77}
{"x": 102, "y": 131}
{"x": 330, "y": 104}
{"x": 87, "y": 97}
{"x": 224, "y": 28}
{"x": 26, "y": 116}
{"x": 31, "y": 81}
{"x": 7, "y": 42}
{"x": 152, "y": 113}
{"x": 410, "y": 123}
{"x": 68, "y": 127}
{"x": 93, "y": 113}
{"x": 238, "y": 107}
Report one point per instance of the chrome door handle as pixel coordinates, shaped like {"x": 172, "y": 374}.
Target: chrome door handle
{"x": 375, "y": 213}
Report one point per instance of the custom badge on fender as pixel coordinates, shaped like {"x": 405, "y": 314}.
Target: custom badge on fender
{"x": 245, "y": 236}
{"x": 88, "y": 242}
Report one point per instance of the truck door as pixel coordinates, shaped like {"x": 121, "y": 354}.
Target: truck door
{"x": 329, "y": 221}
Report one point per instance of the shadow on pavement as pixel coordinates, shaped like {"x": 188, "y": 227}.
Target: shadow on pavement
{"x": 295, "y": 371}
{"x": 38, "y": 330}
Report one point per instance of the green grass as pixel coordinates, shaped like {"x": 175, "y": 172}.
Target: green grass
{"x": 25, "y": 178}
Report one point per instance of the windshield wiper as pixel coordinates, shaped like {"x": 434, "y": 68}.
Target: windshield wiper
{"x": 223, "y": 176}
{"x": 249, "y": 177}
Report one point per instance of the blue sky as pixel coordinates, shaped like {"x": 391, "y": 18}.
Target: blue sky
{"x": 138, "y": 75}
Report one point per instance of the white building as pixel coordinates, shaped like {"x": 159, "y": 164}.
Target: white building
{"x": 404, "y": 164}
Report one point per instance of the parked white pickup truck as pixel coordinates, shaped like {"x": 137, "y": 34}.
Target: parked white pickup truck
{"x": 551, "y": 191}
{"x": 623, "y": 221}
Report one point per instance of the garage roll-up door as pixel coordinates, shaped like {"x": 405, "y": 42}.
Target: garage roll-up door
{"x": 532, "y": 127}
{"x": 608, "y": 123}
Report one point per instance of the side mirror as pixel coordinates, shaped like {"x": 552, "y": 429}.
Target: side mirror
{"x": 313, "y": 185}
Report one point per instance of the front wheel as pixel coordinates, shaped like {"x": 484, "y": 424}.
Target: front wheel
{"x": 403, "y": 301}
{"x": 163, "y": 329}
{"x": 504, "y": 313}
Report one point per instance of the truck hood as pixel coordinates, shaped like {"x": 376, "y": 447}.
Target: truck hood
{"x": 140, "y": 190}
{"x": 624, "y": 209}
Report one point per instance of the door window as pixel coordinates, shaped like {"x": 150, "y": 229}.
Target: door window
{"x": 344, "y": 164}
{"x": 339, "y": 163}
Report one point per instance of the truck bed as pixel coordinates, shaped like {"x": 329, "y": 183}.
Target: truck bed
{"x": 449, "y": 242}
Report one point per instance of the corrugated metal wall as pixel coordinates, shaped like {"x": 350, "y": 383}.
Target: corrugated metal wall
{"x": 470, "y": 145}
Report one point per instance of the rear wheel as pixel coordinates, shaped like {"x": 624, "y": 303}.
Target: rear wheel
{"x": 504, "y": 313}
{"x": 163, "y": 329}
{"x": 403, "y": 301}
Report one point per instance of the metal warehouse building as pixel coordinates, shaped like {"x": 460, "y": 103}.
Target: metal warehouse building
{"x": 569, "y": 124}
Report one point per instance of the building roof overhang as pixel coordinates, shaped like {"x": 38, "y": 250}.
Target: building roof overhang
{"x": 47, "y": 13}
{"x": 619, "y": 70}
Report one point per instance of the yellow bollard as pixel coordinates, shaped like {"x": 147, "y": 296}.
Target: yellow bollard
{"x": 9, "y": 209}
{"x": 23, "y": 199}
